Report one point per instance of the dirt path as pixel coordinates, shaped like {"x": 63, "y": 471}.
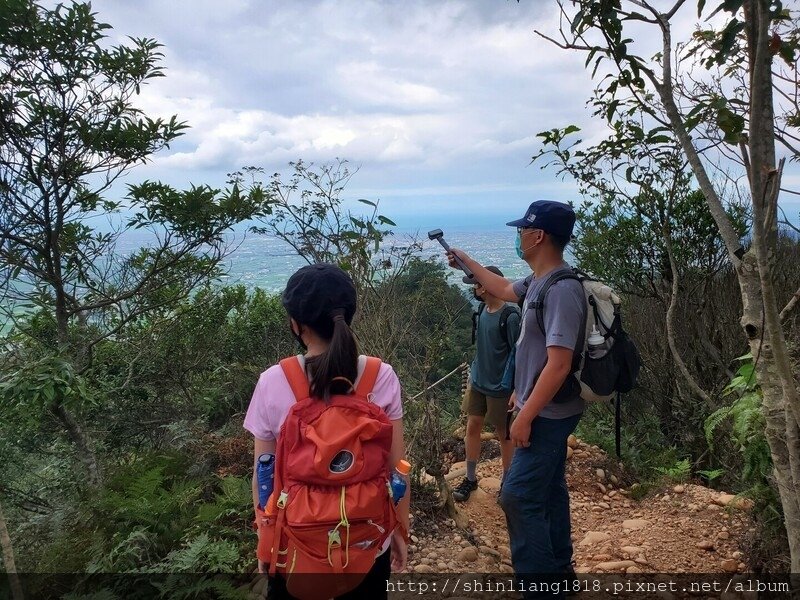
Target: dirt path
{"x": 685, "y": 529}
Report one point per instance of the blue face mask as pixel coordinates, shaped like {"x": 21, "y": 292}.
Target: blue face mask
{"x": 518, "y": 247}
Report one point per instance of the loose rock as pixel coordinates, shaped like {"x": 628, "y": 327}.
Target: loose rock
{"x": 616, "y": 565}
{"x": 705, "y": 545}
{"x": 594, "y": 537}
{"x": 635, "y": 524}
{"x": 730, "y": 565}
{"x": 469, "y": 554}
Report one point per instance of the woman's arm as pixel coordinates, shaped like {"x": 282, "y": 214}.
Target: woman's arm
{"x": 398, "y": 453}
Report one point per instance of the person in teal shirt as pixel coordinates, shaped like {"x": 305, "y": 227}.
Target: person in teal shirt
{"x": 486, "y": 399}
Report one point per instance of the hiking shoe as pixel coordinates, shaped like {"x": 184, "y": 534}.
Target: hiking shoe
{"x": 464, "y": 489}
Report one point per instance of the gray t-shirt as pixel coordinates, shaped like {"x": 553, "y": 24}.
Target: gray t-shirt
{"x": 493, "y": 345}
{"x": 564, "y": 322}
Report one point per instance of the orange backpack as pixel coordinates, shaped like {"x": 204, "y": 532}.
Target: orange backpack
{"x": 331, "y": 508}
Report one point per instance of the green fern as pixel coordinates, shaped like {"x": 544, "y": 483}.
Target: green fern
{"x": 103, "y": 594}
{"x": 680, "y": 471}
{"x": 201, "y": 555}
{"x": 188, "y": 559}
{"x": 127, "y": 554}
{"x": 744, "y": 412}
{"x": 711, "y": 474}
{"x": 747, "y": 423}
{"x": 182, "y": 587}
{"x": 235, "y": 499}
{"x": 713, "y": 421}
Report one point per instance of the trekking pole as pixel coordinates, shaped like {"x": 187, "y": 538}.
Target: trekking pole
{"x": 433, "y": 385}
{"x": 438, "y": 235}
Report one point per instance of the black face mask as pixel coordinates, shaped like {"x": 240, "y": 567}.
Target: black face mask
{"x": 475, "y": 293}
{"x": 299, "y": 339}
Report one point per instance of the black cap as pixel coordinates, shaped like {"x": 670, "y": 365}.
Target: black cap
{"x": 474, "y": 281}
{"x": 549, "y": 216}
{"x": 316, "y": 292}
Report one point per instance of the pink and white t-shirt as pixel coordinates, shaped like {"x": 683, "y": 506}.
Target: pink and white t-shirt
{"x": 273, "y": 398}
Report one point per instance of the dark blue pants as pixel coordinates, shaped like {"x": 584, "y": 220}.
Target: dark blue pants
{"x": 536, "y": 502}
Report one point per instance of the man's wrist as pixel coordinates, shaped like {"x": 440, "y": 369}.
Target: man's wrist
{"x": 525, "y": 414}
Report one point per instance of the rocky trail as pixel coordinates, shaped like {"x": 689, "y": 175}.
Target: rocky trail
{"x": 684, "y": 529}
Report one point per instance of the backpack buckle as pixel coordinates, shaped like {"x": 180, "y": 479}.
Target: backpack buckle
{"x": 334, "y": 538}
{"x": 281, "y": 503}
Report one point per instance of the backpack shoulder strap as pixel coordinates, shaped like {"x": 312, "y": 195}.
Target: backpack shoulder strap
{"x": 508, "y": 310}
{"x": 525, "y": 285}
{"x": 366, "y": 382}
{"x": 538, "y": 304}
{"x": 296, "y": 377}
{"x": 475, "y": 316}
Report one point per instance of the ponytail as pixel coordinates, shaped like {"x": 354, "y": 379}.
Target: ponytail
{"x": 334, "y": 371}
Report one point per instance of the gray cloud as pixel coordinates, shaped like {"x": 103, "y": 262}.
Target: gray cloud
{"x": 431, "y": 99}
{"x": 387, "y": 85}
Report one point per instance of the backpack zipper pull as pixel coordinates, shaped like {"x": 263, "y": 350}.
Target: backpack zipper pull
{"x": 378, "y": 527}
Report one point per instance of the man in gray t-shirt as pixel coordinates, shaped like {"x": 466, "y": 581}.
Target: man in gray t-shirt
{"x": 564, "y": 317}
{"x": 534, "y": 495}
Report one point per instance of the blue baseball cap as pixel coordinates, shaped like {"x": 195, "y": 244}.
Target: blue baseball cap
{"x": 549, "y": 216}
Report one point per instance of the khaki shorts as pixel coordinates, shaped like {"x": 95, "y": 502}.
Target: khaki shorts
{"x": 494, "y": 409}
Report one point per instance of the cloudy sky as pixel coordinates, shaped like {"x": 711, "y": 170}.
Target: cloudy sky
{"x": 438, "y": 103}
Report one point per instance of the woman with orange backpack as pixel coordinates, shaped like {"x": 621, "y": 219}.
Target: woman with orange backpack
{"x": 333, "y": 421}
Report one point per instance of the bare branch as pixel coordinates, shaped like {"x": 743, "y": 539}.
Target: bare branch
{"x": 784, "y": 314}
{"x": 674, "y": 9}
{"x": 563, "y": 45}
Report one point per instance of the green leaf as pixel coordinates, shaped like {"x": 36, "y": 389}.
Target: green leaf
{"x": 787, "y": 53}
{"x": 576, "y": 20}
{"x": 731, "y": 124}
{"x": 367, "y": 202}
{"x": 730, "y": 6}
{"x": 629, "y": 173}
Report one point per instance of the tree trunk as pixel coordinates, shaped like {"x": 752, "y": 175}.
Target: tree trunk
{"x": 793, "y": 491}
{"x": 8, "y": 559}
{"x": 673, "y": 304}
{"x": 776, "y": 377}
{"x": 781, "y": 432}
{"x": 446, "y": 495}
{"x": 760, "y": 318}
{"x": 82, "y": 443}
